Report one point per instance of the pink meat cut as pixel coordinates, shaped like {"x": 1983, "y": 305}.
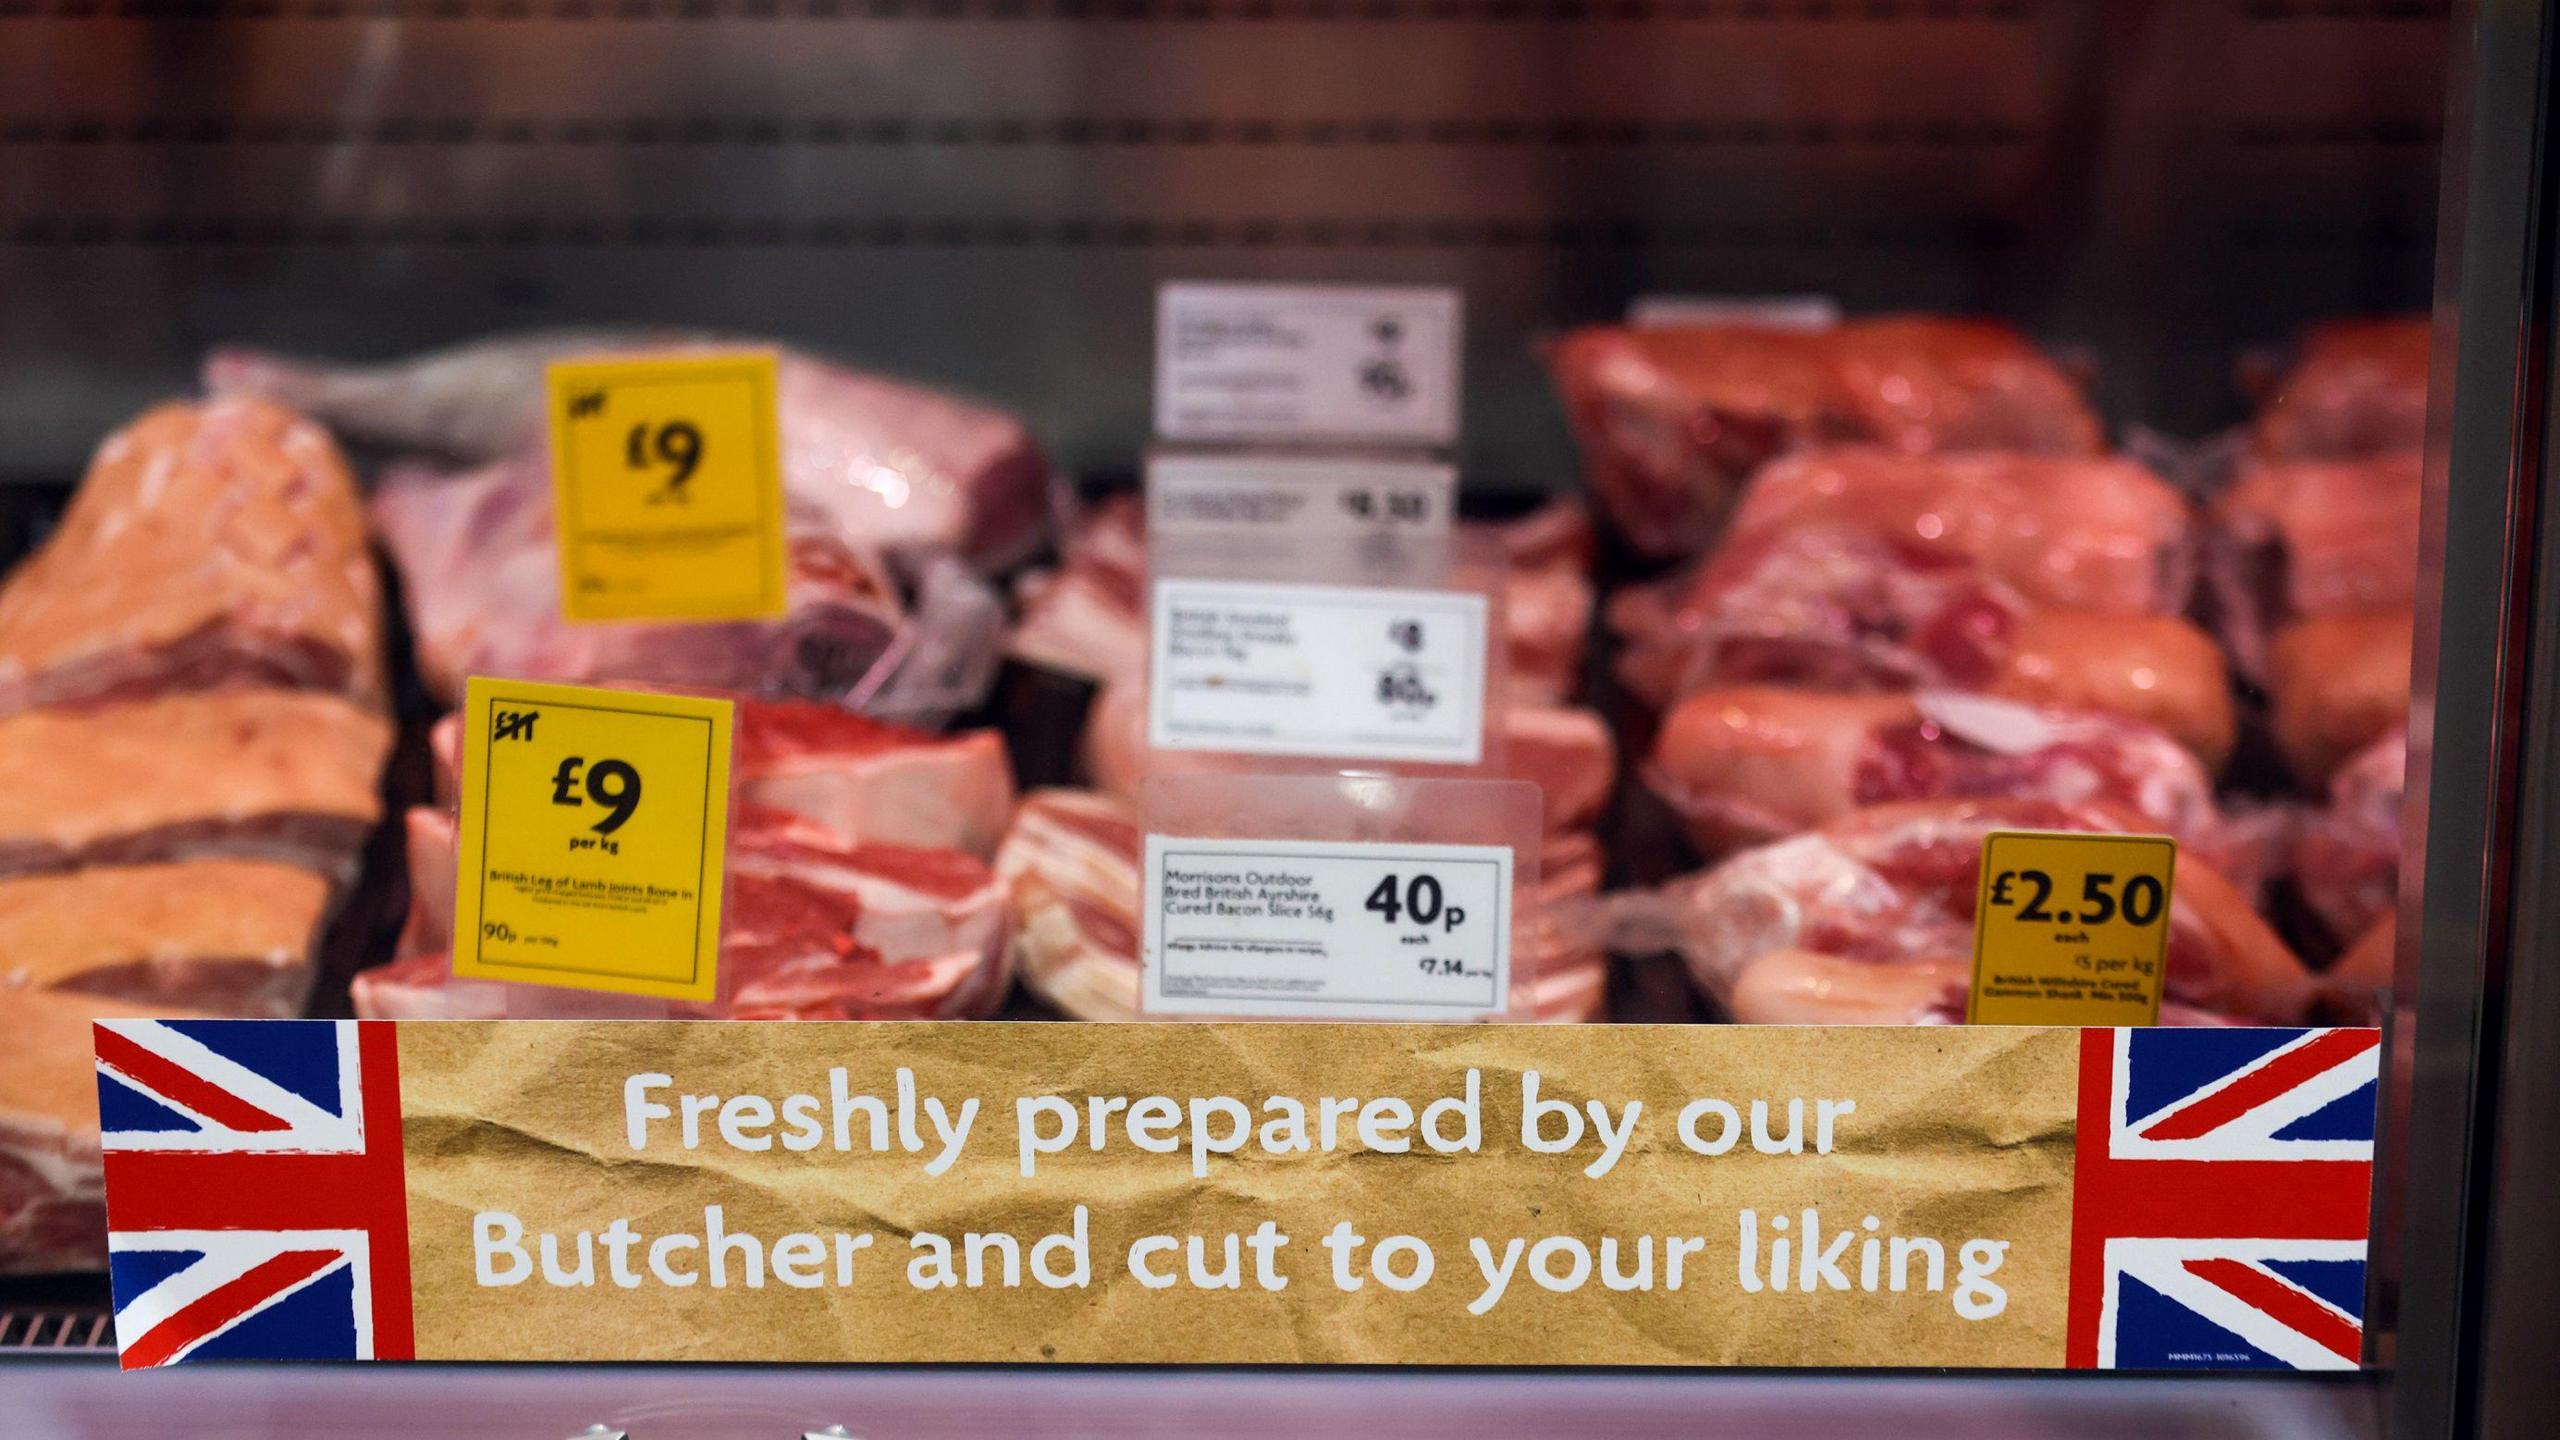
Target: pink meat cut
{"x": 228, "y": 937}
{"x": 1870, "y": 918}
{"x": 1087, "y": 617}
{"x": 2313, "y": 539}
{"x": 1673, "y": 421}
{"x": 2347, "y": 858}
{"x": 1566, "y": 750}
{"x": 52, "y": 1188}
{"x": 1853, "y": 563}
{"x": 812, "y": 929}
{"x": 1071, "y": 866}
{"x": 212, "y": 544}
{"x": 281, "y": 775}
{"x": 890, "y": 468}
{"x": 862, "y": 780}
{"x": 2357, "y": 387}
{"x": 480, "y": 567}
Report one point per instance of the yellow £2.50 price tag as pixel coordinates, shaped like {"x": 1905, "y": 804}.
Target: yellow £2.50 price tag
{"x": 594, "y": 830}
{"x": 2071, "y": 929}
{"x": 667, "y": 482}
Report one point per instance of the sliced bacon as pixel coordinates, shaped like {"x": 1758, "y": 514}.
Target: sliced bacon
{"x": 1071, "y": 866}
{"x": 1087, "y": 617}
{"x": 812, "y": 928}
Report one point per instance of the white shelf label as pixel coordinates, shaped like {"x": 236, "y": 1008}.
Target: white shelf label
{"x": 1314, "y": 929}
{"x": 1307, "y": 362}
{"x": 1330, "y": 671}
{"x": 1227, "y": 496}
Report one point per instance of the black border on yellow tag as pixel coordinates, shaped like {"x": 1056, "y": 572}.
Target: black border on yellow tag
{"x": 2100, "y": 1015}
{"x": 760, "y": 370}
{"x": 481, "y": 695}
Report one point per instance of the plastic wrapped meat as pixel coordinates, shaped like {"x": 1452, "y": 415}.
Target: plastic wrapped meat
{"x": 1071, "y": 866}
{"x": 811, "y": 929}
{"x": 2105, "y": 536}
{"x": 280, "y": 775}
{"x": 230, "y": 937}
{"x": 1088, "y": 616}
{"x": 1752, "y": 764}
{"x": 1566, "y": 751}
{"x": 53, "y": 1214}
{"x": 480, "y": 564}
{"x": 1673, "y": 421}
{"x": 862, "y": 780}
{"x": 2367, "y": 966}
{"x": 1870, "y": 918}
{"x": 2357, "y": 387}
{"x": 891, "y": 468}
{"x": 2304, "y": 539}
{"x": 2338, "y": 684}
{"x": 1839, "y": 610}
{"x": 212, "y": 544}
{"x": 2347, "y": 858}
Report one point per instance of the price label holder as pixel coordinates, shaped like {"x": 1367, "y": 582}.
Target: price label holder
{"x": 1350, "y": 518}
{"x": 1307, "y": 363}
{"x": 1339, "y": 897}
{"x": 2071, "y": 929}
{"x": 1349, "y": 639}
{"x": 1806, "y": 314}
{"x": 667, "y": 483}
{"x": 592, "y": 840}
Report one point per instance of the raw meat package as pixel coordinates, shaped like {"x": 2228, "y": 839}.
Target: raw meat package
{"x": 480, "y": 568}
{"x": 2355, "y": 388}
{"x": 862, "y": 780}
{"x": 52, "y": 1188}
{"x": 1869, "y": 920}
{"x": 230, "y": 937}
{"x": 2346, "y": 859}
{"x": 2049, "y": 581}
{"x": 2352, "y": 987}
{"x": 890, "y": 468}
{"x": 1672, "y": 421}
{"x": 1087, "y": 617}
{"x": 1751, "y": 764}
{"x": 1071, "y": 866}
{"x": 2336, "y": 685}
{"x": 812, "y": 929}
{"x": 210, "y": 544}
{"x": 281, "y": 775}
{"x": 2296, "y": 541}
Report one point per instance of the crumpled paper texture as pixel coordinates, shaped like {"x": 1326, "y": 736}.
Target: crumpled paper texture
{"x": 1959, "y": 1133}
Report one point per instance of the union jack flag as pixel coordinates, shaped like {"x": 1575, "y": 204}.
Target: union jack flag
{"x": 255, "y": 1205}
{"x": 2222, "y": 1199}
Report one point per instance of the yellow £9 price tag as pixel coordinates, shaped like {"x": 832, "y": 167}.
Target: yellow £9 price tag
{"x": 667, "y": 485}
{"x": 2071, "y": 929}
{"x": 593, "y": 835}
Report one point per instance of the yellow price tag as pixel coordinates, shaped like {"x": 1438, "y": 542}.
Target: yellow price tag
{"x": 2071, "y": 929}
{"x": 594, "y": 830}
{"x": 667, "y": 481}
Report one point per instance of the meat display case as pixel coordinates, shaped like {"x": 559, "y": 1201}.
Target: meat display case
{"x": 987, "y": 194}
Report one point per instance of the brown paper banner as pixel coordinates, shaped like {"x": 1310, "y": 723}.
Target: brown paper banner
{"x": 1955, "y": 1143}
